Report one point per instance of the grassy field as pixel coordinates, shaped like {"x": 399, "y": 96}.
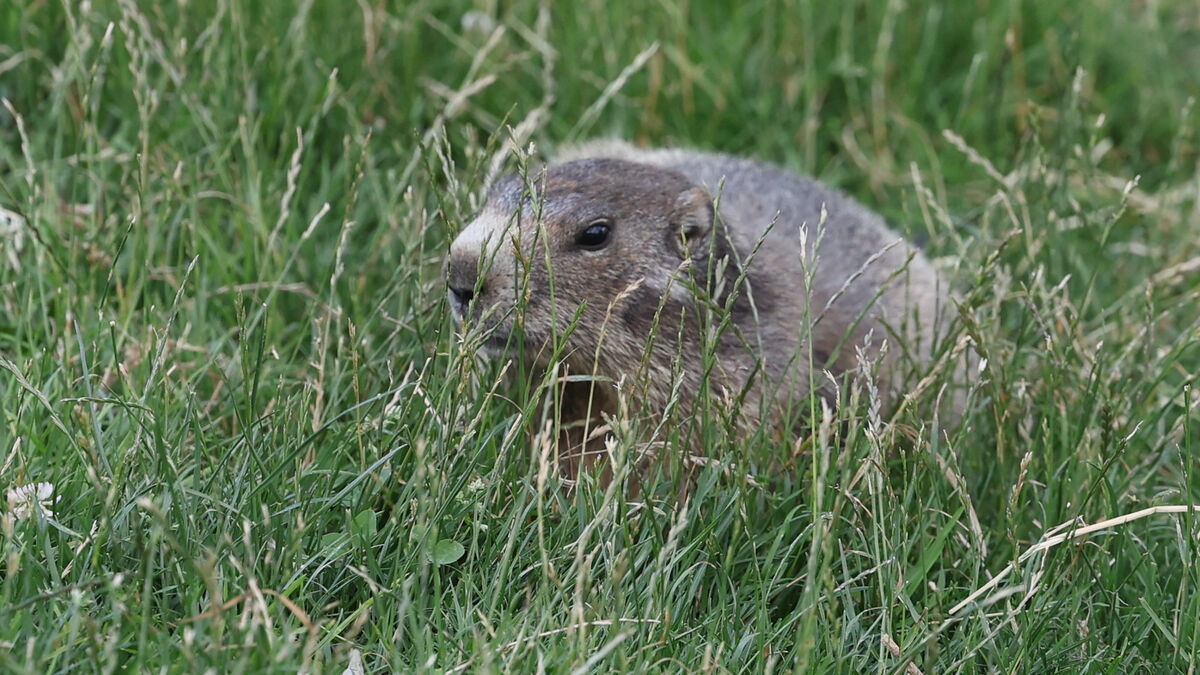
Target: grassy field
{"x": 224, "y": 341}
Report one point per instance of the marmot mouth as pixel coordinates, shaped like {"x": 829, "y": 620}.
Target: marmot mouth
{"x": 497, "y": 340}
{"x": 497, "y": 344}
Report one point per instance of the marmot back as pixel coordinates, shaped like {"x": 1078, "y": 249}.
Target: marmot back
{"x": 637, "y": 261}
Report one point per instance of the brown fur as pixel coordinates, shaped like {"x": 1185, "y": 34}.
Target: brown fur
{"x": 788, "y": 305}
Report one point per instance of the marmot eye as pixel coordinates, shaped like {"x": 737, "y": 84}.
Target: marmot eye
{"x": 595, "y": 236}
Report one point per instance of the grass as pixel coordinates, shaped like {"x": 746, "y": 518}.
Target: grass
{"x": 224, "y": 341}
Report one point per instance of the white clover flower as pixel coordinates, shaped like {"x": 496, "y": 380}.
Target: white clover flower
{"x": 21, "y": 499}
{"x": 356, "y": 664}
{"x": 478, "y": 22}
{"x": 475, "y": 486}
{"x": 12, "y": 232}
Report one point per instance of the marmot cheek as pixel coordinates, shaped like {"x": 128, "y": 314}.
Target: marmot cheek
{"x": 637, "y": 309}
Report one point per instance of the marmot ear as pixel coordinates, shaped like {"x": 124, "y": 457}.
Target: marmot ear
{"x": 692, "y": 223}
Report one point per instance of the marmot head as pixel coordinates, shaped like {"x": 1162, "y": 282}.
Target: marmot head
{"x": 585, "y": 256}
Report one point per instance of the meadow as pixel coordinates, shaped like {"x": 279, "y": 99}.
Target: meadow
{"x": 239, "y": 434}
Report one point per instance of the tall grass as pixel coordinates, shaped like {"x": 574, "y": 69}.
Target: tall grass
{"x": 224, "y": 341}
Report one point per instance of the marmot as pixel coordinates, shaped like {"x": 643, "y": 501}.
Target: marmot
{"x": 671, "y": 273}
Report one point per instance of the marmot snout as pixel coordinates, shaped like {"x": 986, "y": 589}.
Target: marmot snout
{"x": 638, "y": 263}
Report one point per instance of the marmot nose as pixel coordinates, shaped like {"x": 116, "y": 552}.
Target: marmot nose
{"x": 461, "y": 296}
{"x": 462, "y": 278}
